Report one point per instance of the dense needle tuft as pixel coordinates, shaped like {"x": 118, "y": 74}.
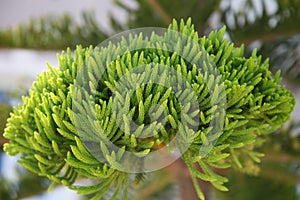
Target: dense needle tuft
{"x": 42, "y": 130}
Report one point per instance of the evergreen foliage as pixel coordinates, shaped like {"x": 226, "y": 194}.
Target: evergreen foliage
{"x": 4, "y": 114}
{"x": 42, "y": 130}
{"x": 54, "y": 33}
{"x": 271, "y": 24}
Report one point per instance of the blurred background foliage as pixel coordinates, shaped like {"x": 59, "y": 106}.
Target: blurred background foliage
{"x": 270, "y": 26}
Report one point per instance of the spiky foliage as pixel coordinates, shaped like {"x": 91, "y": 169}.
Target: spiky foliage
{"x": 43, "y": 130}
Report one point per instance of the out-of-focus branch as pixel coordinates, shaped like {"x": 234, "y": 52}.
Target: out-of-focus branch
{"x": 267, "y": 37}
{"x": 160, "y": 11}
{"x": 3, "y": 141}
{"x": 273, "y": 174}
{"x": 281, "y": 157}
{"x": 155, "y": 186}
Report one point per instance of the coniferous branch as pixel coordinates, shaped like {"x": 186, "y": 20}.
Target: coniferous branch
{"x": 43, "y": 130}
{"x": 60, "y": 32}
{"x": 254, "y": 22}
{"x": 54, "y": 33}
{"x": 245, "y": 30}
{"x": 161, "y": 11}
{"x": 284, "y": 56}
